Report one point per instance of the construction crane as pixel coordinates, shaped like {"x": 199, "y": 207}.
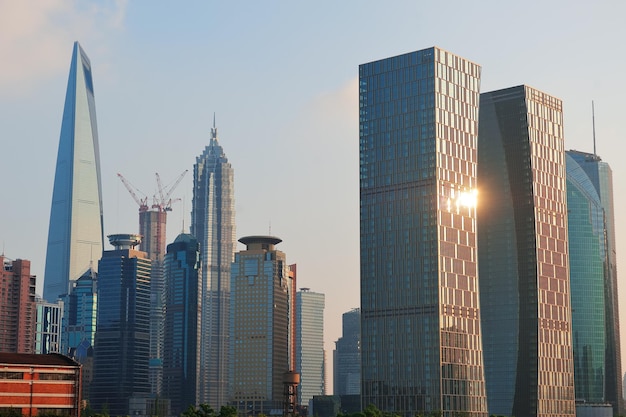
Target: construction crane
{"x": 163, "y": 202}
{"x": 142, "y": 202}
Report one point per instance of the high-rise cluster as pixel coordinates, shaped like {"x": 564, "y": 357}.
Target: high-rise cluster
{"x": 475, "y": 298}
{"x": 154, "y": 330}
{"x": 488, "y": 271}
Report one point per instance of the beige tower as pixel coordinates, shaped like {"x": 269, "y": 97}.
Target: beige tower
{"x": 261, "y": 324}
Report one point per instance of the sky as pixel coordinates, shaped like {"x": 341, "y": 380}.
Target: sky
{"x": 281, "y": 78}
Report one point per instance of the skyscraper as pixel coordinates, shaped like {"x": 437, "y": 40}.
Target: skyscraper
{"x": 347, "y": 357}
{"x": 310, "y": 344}
{"x": 213, "y": 224}
{"x": 122, "y": 342}
{"x": 522, "y": 241}
{"x": 593, "y": 275}
{"x": 75, "y": 234}
{"x": 183, "y": 306}
{"x": 260, "y": 326}
{"x": 80, "y": 308}
{"x": 79, "y": 315}
{"x": 18, "y": 312}
{"x": 420, "y": 316}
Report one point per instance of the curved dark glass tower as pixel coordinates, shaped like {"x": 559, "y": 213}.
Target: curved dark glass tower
{"x": 181, "y": 360}
{"x": 420, "y": 313}
{"x": 75, "y": 234}
{"x": 213, "y": 224}
{"x": 523, "y": 257}
{"x": 593, "y": 271}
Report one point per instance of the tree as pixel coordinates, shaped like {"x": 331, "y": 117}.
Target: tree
{"x": 227, "y": 411}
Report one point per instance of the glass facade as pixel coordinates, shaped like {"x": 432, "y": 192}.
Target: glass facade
{"x": 213, "y": 224}
{"x": 75, "y": 234}
{"x": 309, "y": 344}
{"x": 522, "y": 240}
{"x": 122, "y": 340}
{"x": 48, "y": 327}
{"x": 593, "y": 270}
{"x": 347, "y": 356}
{"x": 183, "y": 305}
{"x": 79, "y": 316}
{"x": 420, "y": 315}
{"x": 260, "y": 327}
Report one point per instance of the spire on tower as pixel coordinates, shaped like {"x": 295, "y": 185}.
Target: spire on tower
{"x": 593, "y": 123}
{"x": 214, "y": 129}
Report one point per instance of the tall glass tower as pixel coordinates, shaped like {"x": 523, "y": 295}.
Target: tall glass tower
{"x": 309, "y": 344}
{"x": 593, "y": 272}
{"x": 122, "y": 340}
{"x": 347, "y": 355}
{"x": 420, "y": 314}
{"x": 522, "y": 241}
{"x": 75, "y": 234}
{"x": 181, "y": 360}
{"x": 213, "y": 224}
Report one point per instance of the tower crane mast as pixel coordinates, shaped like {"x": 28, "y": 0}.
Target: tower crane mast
{"x": 164, "y": 202}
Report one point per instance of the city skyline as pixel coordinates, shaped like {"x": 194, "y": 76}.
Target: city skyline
{"x": 299, "y": 106}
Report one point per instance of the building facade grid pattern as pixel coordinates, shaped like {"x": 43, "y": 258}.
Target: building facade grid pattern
{"x": 523, "y": 235}
{"x": 420, "y": 321}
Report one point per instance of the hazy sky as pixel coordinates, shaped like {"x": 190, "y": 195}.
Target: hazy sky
{"x": 281, "y": 77}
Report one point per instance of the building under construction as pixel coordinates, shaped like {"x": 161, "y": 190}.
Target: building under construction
{"x": 152, "y": 226}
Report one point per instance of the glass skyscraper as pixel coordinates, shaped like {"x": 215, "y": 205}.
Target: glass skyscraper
{"x": 213, "y": 224}
{"x": 183, "y": 305}
{"x": 122, "y": 340}
{"x": 75, "y": 234}
{"x": 347, "y": 356}
{"x": 420, "y": 315}
{"x": 79, "y": 316}
{"x": 309, "y": 344}
{"x": 522, "y": 241}
{"x": 595, "y": 316}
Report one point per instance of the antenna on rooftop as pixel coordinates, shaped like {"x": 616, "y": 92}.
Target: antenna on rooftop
{"x": 593, "y": 123}
{"x": 183, "y": 216}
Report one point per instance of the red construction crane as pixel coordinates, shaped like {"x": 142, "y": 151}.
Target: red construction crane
{"x": 164, "y": 202}
{"x": 143, "y": 202}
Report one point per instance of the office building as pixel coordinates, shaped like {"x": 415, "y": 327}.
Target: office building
{"x": 48, "y": 326}
{"x": 593, "y": 276}
{"x": 260, "y": 326}
{"x": 75, "y": 234}
{"x": 123, "y": 332}
{"x": 310, "y": 344}
{"x": 347, "y": 355}
{"x": 39, "y": 385}
{"x": 183, "y": 306}
{"x": 80, "y": 309}
{"x": 522, "y": 241}
{"x": 421, "y": 346}
{"x": 18, "y": 312}
{"x": 213, "y": 224}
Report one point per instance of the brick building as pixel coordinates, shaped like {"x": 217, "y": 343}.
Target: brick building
{"x": 35, "y": 384}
